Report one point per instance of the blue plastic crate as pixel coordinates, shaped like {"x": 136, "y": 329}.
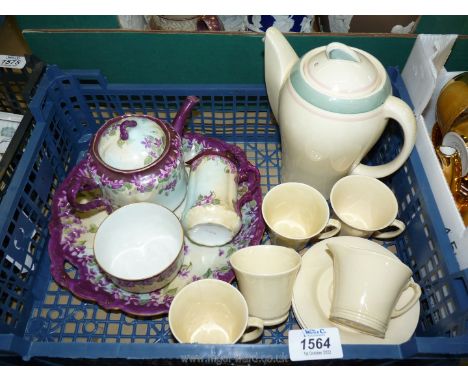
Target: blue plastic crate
{"x": 40, "y": 319}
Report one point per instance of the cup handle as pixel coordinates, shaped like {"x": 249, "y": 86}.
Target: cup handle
{"x": 84, "y": 183}
{"x": 251, "y": 175}
{"x": 257, "y": 324}
{"x": 335, "y": 225}
{"x": 398, "y": 110}
{"x": 417, "y": 293}
{"x": 398, "y": 224}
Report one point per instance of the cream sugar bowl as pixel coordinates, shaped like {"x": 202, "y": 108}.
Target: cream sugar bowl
{"x": 332, "y": 105}
{"x": 136, "y": 158}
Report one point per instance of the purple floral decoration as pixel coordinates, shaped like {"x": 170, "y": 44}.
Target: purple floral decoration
{"x": 144, "y": 183}
{"x": 184, "y": 272}
{"x": 67, "y": 230}
{"x": 207, "y": 199}
{"x": 147, "y": 142}
{"x": 171, "y": 186}
{"x": 113, "y": 184}
{"x": 154, "y": 145}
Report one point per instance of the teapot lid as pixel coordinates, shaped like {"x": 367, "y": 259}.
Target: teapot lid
{"x": 131, "y": 142}
{"x": 341, "y": 79}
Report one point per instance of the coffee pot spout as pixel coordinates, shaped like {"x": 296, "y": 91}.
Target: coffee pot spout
{"x": 279, "y": 59}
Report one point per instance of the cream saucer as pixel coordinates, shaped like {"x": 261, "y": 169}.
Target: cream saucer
{"x": 312, "y": 292}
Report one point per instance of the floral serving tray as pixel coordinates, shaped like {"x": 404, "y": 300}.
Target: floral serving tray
{"x": 72, "y": 237}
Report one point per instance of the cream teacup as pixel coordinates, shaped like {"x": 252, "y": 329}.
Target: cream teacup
{"x": 211, "y": 311}
{"x": 265, "y": 275}
{"x": 365, "y": 206}
{"x": 366, "y": 288}
{"x": 296, "y": 213}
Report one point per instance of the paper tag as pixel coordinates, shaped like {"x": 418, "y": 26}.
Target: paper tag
{"x": 311, "y": 344}
{"x": 15, "y": 62}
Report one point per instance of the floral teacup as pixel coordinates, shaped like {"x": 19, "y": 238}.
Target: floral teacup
{"x": 212, "y": 211}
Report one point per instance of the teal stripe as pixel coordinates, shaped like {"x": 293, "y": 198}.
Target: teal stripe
{"x": 338, "y": 105}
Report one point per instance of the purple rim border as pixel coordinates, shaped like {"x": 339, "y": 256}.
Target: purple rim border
{"x": 83, "y": 289}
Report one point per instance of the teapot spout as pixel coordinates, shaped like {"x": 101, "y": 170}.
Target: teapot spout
{"x": 182, "y": 114}
{"x": 279, "y": 59}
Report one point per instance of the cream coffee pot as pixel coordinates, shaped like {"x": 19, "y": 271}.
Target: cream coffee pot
{"x": 332, "y": 105}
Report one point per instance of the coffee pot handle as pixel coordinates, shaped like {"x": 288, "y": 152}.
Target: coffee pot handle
{"x": 394, "y": 108}
{"x": 339, "y": 51}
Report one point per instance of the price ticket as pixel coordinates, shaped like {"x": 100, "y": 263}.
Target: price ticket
{"x": 15, "y": 62}
{"x": 314, "y": 344}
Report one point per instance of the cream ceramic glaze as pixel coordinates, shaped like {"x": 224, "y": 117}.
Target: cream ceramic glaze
{"x": 210, "y": 216}
{"x": 140, "y": 246}
{"x": 332, "y": 106}
{"x": 265, "y": 275}
{"x": 296, "y": 213}
{"x": 366, "y": 288}
{"x": 313, "y": 292}
{"x": 365, "y": 206}
{"x": 211, "y": 311}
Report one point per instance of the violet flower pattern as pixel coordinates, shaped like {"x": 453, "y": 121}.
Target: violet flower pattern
{"x": 77, "y": 235}
{"x": 191, "y": 147}
{"x": 229, "y": 167}
{"x": 112, "y": 184}
{"x": 154, "y": 147}
{"x": 207, "y": 199}
{"x": 185, "y": 270}
{"x": 171, "y": 186}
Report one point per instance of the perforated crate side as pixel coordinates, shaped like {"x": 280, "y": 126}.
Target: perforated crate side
{"x": 17, "y": 87}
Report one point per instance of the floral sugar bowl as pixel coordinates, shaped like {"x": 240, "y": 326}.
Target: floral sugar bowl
{"x": 136, "y": 158}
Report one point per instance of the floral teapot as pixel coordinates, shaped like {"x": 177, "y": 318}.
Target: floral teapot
{"x": 332, "y": 105}
{"x": 136, "y": 158}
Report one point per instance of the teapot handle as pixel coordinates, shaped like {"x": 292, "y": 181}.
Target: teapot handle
{"x": 84, "y": 183}
{"x": 398, "y": 110}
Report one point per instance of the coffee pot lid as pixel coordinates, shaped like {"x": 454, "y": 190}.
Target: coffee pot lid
{"x": 341, "y": 79}
{"x": 131, "y": 143}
